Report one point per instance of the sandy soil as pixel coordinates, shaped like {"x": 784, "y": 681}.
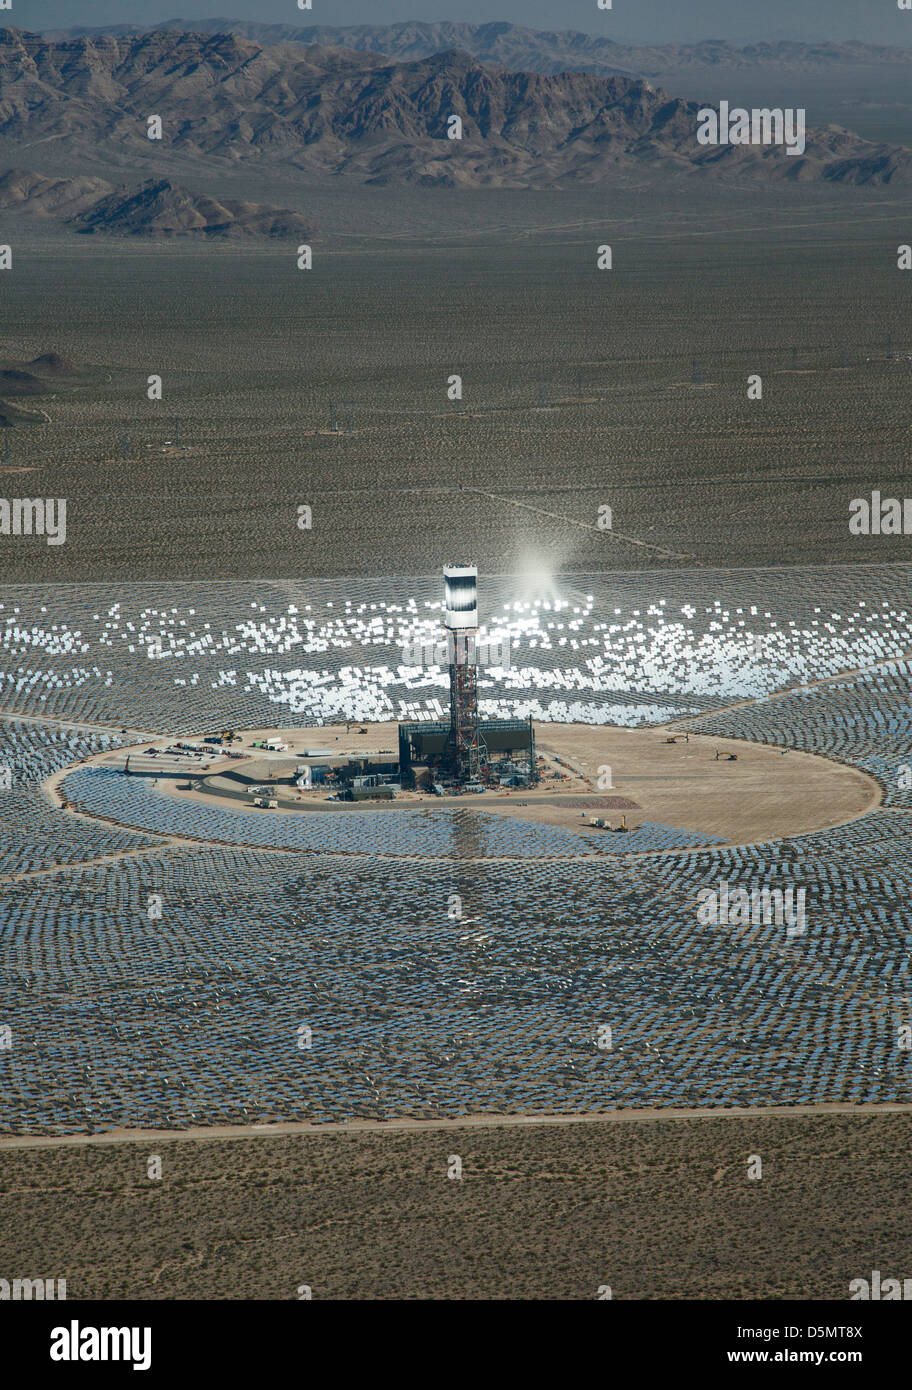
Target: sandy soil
{"x": 545, "y": 1211}
{"x": 764, "y": 794}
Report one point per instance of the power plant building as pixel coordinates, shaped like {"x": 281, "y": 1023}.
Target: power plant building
{"x": 467, "y": 753}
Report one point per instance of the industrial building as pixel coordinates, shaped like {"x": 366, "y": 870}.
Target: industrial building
{"x": 505, "y": 748}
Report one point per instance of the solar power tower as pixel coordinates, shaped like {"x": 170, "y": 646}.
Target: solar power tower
{"x": 461, "y": 622}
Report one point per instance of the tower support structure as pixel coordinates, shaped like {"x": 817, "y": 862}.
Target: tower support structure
{"x": 464, "y": 740}
{"x": 464, "y": 745}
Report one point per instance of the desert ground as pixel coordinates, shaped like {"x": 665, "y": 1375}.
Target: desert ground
{"x": 581, "y": 389}
{"x": 764, "y": 794}
{"x": 654, "y": 1208}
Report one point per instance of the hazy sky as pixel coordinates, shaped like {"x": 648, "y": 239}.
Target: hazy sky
{"x": 741, "y": 21}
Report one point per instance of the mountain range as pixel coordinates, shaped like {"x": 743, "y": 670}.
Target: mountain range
{"x": 528, "y": 50}
{"x": 337, "y": 111}
{"x": 158, "y": 207}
